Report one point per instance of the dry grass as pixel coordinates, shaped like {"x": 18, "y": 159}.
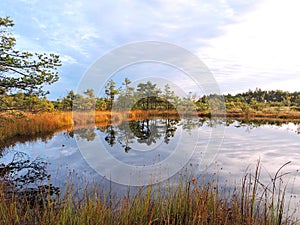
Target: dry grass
{"x": 18, "y": 124}
{"x": 267, "y": 113}
{"x": 23, "y": 124}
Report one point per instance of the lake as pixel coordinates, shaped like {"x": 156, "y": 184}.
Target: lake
{"x": 148, "y": 151}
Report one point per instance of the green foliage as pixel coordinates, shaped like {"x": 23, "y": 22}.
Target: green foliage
{"x": 87, "y": 101}
{"x": 21, "y": 70}
{"x": 25, "y": 102}
{"x": 100, "y": 104}
{"x": 170, "y": 98}
{"x": 262, "y": 101}
{"x": 147, "y": 95}
{"x": 283, "y": 97}
{"x": 126, "y": 97}
{"x": 110, "y": 92}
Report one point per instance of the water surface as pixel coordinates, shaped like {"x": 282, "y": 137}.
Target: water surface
{"x": 150, "y": 142}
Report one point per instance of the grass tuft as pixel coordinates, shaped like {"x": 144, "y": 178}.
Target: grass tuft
{"x": 188, "y": 202}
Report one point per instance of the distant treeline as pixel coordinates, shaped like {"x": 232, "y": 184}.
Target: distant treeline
{"x": 148, "y": 96}
{"x": 260, "y": 100}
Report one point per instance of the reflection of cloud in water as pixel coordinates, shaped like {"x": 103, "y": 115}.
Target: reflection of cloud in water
{"x": 272, "y": 146}
{"x": 290, "y": 127}
{"x": 242, "y": 146}
{"x": 68, "y": 151}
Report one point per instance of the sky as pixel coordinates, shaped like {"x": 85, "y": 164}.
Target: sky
{"x": 244, "y": 43}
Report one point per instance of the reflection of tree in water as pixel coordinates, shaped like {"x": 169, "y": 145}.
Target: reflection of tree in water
{"x": 146, "y": 131}
{"x": 143, "y": 131}
{"x": 11, "y": 142}
{"x": 86, "y": 134}
{"x": 189, "y": 124}
{"x": 27, "y": 180}
{"x": 256, "y": 122}
{"x": 171, "y": 127}
{"x": 125, "y": 136}
{"x": 90, "y": 134}
{"x": 250, "y": 124}
{"x": 111, "y": 134}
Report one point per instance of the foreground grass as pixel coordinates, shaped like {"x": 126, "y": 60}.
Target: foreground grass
{"x": 186, "y": 203}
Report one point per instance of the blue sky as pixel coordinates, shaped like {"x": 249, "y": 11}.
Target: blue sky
{"x": 245, "y": 43}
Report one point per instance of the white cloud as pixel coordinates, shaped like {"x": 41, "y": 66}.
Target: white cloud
{"x": 245, "y": 43}
{"x": 262, "y": 50}
{"x": 67, "y": 59}
{"x": 24, "y": 43}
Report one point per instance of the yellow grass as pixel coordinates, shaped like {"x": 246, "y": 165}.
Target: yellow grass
{"x": 22, "y": 124}
{"x": 269, "y": 113}
{"x": 19, "y": 124}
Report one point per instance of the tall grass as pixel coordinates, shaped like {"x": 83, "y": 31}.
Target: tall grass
{"x": 23, "y": 124}
{"x": 188, "y": 202}
{"x": 18, "y": 124}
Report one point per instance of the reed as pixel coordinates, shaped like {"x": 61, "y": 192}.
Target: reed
{"x": 188, "y": 202}
{"x": 19, "y": 124}
{"x": 23, "y": 124}
{"x": 268, "y": 113}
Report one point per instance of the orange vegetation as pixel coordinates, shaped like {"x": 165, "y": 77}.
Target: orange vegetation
{"x": 22, "y": 124}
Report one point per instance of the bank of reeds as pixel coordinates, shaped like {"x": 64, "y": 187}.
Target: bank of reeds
{"x": 188, "y": 202}
{"x": 21, "y": 124}
{"x": 273, "y": 113}
{"x": 18, "y": 124}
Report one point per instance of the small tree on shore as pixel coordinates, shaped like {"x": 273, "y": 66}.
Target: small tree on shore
{"x": 110, "y": 92}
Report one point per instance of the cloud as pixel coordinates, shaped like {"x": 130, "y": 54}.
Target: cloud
{"x": 262, "y": 50}
{"x": 68, "y": 59}
{"x": 226, "y": 34}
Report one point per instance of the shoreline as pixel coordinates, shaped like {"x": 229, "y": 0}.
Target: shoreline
{"x": 25, "y": 125}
